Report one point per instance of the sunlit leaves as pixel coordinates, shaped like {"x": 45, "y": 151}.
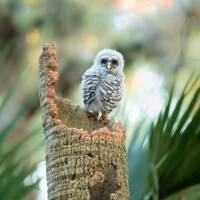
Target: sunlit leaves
{"x": 173, "y": 149}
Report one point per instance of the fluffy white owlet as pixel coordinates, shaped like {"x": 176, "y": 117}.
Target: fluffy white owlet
{"x": 102, "y": 84}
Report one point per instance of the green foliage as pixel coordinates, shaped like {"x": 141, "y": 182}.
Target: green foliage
{"x": 15, "y": 167}
{"x": 189, "y": 193}
{"x": 169, "y": 161}
{"x": 16, "y": 158}
{"x": 137, "y": 162}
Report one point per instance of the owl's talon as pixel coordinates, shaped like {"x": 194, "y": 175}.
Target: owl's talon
{"x": 99, "y": 117}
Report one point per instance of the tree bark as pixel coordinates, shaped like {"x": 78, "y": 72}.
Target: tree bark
{"x": 85, "y": 158}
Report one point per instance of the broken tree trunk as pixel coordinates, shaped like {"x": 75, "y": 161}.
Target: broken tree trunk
{"x": 85, "y": 158}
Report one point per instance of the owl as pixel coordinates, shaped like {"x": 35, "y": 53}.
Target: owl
{"x": 102, "y": 83}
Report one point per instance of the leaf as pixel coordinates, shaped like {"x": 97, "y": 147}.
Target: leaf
{"x": 176, "y": 148}
{"x": 21, "y": 112}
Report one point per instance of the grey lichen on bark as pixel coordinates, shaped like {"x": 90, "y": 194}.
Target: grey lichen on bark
{"x": 85, "y": 158}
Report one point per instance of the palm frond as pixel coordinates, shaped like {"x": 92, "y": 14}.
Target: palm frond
{"x": 179, "y": 143}
{"x": 16, "y": 157}
{"x": 173, "y": 149}
{"x": 15, "y": 167}
{"x": 138, "y": 162}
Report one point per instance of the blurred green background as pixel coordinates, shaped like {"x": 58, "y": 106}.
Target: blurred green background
{"x": 160, "y": 40}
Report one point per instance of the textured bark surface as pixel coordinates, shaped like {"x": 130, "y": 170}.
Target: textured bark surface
{"x": 85, "y": 158}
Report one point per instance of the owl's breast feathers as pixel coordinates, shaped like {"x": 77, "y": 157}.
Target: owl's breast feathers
{"x": 110, "y": 92}
{"x": 101, "y": 92}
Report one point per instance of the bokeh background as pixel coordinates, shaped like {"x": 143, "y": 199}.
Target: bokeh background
{"x": 160, "y": 40}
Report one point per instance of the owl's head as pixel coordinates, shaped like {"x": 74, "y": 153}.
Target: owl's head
{"x": 110, "y": 60}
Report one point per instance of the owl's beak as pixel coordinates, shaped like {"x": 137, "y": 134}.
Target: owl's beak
{"x": 109, "y": 66}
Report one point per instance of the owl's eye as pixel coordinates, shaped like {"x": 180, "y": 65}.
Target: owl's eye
{"x": 104, "y": 60}
{"x": 114, "y": 62}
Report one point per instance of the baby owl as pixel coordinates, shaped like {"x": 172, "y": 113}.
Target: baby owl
{"x": 102, "y": 83}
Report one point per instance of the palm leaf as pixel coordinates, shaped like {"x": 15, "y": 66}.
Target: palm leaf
{"x": 17, "y": 117}
{"x": 179, "y": 143}
{"x": 172, "y": 157}
{"x": 16, "y": 162}
{"x": 14, "y": 169}
{"x": 137, "y": 163}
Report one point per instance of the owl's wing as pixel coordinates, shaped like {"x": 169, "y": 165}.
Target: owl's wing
{"x": 89, "y": 83}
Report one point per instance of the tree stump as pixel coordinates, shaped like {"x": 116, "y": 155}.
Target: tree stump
{"x": 85, "y": 158}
